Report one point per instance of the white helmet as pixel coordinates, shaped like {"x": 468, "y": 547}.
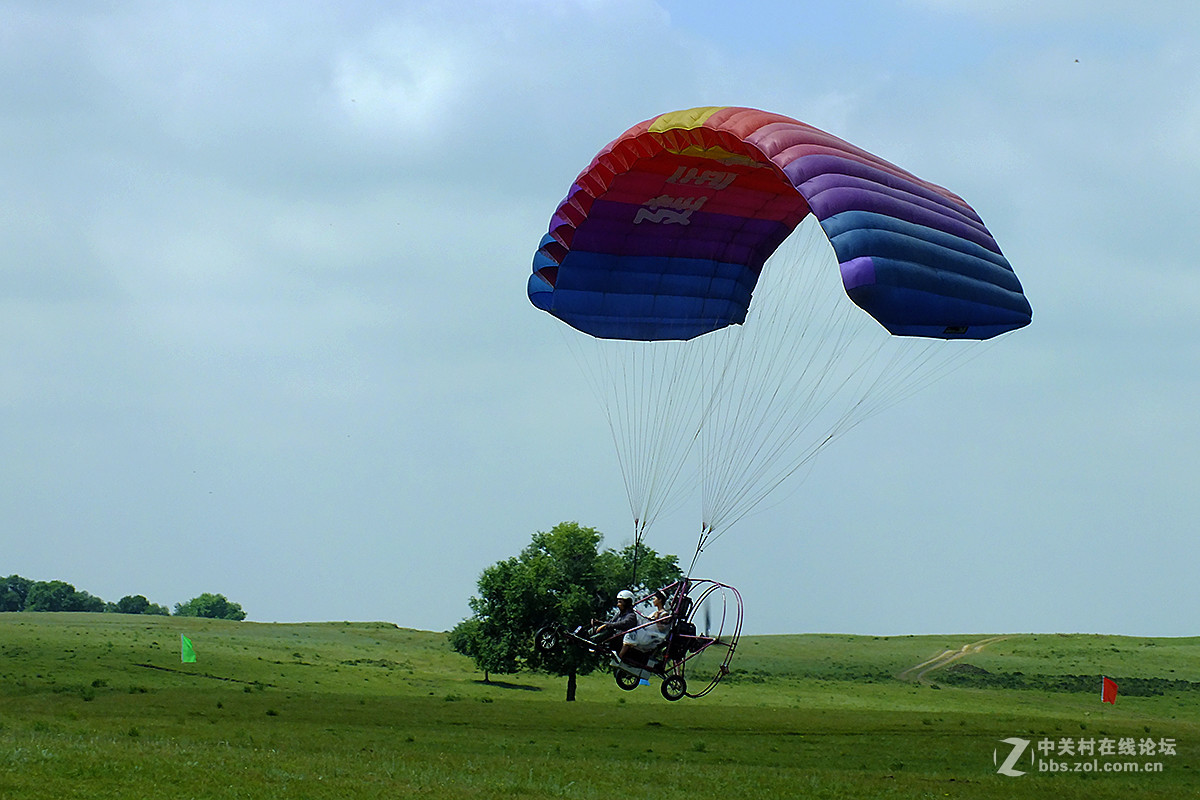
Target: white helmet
{"x": 625, "y": 594}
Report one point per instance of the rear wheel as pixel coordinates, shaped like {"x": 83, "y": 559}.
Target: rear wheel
{"x": 626, "y": 680}
{"x": 674, "y": 687}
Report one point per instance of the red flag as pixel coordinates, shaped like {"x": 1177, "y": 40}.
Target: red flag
{"x": 1108, "y": 692}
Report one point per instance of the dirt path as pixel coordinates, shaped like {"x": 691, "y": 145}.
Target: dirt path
{"x": 946, "y": 658}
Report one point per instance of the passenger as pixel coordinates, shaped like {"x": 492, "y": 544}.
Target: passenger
{"x": 648, "y": 637}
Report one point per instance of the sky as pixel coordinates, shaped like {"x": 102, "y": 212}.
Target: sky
{"x": 264, "y": 332}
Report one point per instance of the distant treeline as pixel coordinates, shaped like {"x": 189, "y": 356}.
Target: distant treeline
{"x": 970, "y": 675}
{"x": 23, "y": 594}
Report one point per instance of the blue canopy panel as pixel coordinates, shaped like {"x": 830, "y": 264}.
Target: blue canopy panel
{"x": 644, "y": 298}
{"x": 916, "y": 281}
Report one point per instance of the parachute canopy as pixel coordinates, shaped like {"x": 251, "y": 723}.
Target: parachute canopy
{"x": 664, "y": 235}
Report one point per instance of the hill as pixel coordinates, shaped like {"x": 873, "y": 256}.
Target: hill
{"x": 99, "y": 705}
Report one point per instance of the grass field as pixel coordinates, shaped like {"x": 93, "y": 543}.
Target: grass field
{"x": 99, "y": 706}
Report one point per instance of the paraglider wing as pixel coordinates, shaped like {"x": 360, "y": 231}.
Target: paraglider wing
{"x": 665, "y": 233}
{"x": 664, "y": 239}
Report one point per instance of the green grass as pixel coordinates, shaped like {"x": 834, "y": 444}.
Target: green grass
{"x": 99, "y": 706}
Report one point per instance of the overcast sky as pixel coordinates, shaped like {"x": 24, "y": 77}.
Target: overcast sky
{"x": 264, "y": 332}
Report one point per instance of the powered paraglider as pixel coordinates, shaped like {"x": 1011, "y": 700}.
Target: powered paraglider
{"x": 703, "y": 344}
{"x": 658, "y": 253}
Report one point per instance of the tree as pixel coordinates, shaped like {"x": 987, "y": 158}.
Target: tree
{"x": 60, "y": 596}
{"x": 210, "y": 606}
{"x": 560, "y": 578}
{"x": 640, "y": 569}
{"x": 488, "y": 655}
{"x": 13, "y": 591}
{"x": 136, "y": 604}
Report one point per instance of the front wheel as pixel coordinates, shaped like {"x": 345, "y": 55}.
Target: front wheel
{"x": 546, "y": 639}
{"x": 674, "y": 687}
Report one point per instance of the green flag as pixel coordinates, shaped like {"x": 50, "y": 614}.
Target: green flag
{"x": 187, "y": 653}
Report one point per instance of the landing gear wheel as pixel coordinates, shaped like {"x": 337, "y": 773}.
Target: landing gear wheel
{"x": 674, "y": 687}
{"x": 626, "y": 680}
{"x": 546, "y": 639}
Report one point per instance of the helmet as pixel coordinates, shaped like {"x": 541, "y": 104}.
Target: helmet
{"x": 625, "y": 594}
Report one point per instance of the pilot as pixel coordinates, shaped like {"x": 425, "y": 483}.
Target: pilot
{"x": 625, "y": 619}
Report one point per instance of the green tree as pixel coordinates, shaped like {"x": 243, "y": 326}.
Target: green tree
{"x": 211, "y": 606}
{"x": 488, "y": 655}
{"x": 561, "y": 578}
{"x": 638, "y": 568}
{"x": 13, "y": 591}
{"x": 136, "y": 604}
{"x": 60, "y": 596}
